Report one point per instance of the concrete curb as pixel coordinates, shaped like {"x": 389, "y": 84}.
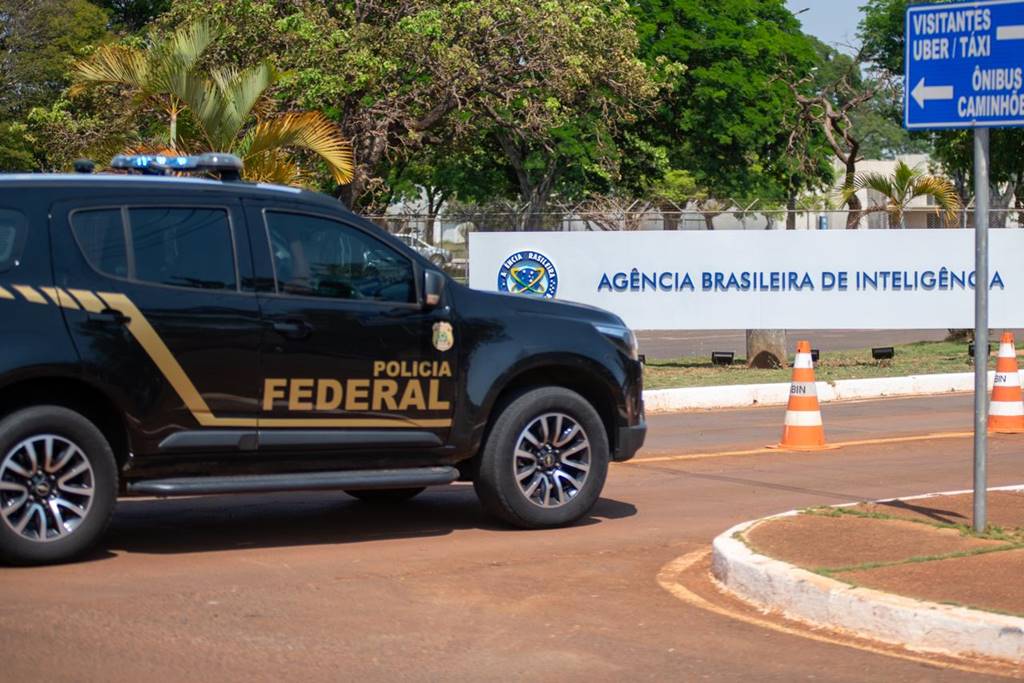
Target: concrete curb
{"x": 802, "y": 595}
{"x": 744, "y": 395}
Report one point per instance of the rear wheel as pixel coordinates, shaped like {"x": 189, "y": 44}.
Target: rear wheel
{"x": 58, "y": 485}
{"x": 437, "y": 260}
{"x": 545, "y": 460}
{"x": 386, "y": 495}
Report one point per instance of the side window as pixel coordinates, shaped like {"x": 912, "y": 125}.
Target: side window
{"x": 320, "y": 257}
{"x": 100, "y": 233}
{"x": 184, "y": 247}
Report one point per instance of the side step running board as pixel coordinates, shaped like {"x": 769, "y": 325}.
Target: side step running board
{"x": 306, "y": 481}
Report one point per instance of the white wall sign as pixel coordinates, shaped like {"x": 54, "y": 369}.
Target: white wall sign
{"x": 889, "y": 279}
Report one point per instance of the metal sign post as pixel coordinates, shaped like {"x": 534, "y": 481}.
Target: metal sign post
{"x": 964, "y": 67}
{"x": 980, "y": 326}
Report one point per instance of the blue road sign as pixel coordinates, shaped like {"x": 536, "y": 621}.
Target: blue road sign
{"x": 964, "y": 65}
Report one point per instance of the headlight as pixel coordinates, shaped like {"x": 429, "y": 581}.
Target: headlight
{"x": 623, "y": 336}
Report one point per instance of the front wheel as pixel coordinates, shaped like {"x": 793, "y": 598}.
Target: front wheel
{"x": 545, "y": 460}
{"x": 58, "y": 485}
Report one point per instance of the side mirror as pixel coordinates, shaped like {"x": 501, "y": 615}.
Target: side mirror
{"x": 433, "y": 286}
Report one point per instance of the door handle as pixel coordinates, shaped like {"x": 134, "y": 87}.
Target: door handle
{"x": 108, "y": 316}
{"x": 293, "y": 328}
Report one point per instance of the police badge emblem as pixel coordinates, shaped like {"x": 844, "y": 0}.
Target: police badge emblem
{"x": 444, "y": 337}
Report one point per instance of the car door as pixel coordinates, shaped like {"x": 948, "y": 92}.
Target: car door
{"x": 351, "y": 360}
{"x": 153, "y": 295}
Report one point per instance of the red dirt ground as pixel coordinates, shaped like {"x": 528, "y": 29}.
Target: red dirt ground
{"x": 824, "y": 542}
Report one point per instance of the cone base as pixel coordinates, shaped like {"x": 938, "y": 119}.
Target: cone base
{"x": 788, "y": 447}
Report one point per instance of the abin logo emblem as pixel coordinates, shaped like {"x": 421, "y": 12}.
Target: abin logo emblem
{"x": 529, "y": 273}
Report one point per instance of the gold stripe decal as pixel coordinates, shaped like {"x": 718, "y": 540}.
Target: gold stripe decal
{"x": 89, "y": 301}
{"x": 296, "y": 423}
{"x": 4, "y": 294}
{"x": 60, "y": 297}
{"x": 144, "y": 333}
{"x": 30, "y": 294}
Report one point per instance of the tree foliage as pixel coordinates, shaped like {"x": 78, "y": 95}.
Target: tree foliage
{"x": 228, "y": 108}
{"x": 38, "y": 41}
{"x": 722, "y": 118}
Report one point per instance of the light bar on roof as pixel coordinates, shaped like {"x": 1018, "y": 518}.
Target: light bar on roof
{"x": 226, "y": 165}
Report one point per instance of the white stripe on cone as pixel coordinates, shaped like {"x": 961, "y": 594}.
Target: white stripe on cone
{"x": 803, "y": 418}
{"x": 1006, "y": 408}
{"x": 1006, "y": 350}
{"x": 1007, "y": 379}
{"x": 803, "y": 361}
{"x": 803, "y": 389}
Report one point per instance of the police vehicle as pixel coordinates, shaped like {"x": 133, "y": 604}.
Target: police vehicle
{"x": 165, "y": 335}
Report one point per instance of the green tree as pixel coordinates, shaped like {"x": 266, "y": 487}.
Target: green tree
{"x": 722, "y": 118}
{"x": 228, "y": 109}
{"x": 395, "y": 74}
{"x": 905, "y": 185}
{"x": 161, "y": 72}
{"x": 38, "y": 40}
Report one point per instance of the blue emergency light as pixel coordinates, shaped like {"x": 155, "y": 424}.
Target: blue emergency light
{"x": 227, "y": 166}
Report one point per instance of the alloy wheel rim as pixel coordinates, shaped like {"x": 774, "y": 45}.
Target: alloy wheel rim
{"x": 551, "y": 462}
{"x": 47, "y": 487}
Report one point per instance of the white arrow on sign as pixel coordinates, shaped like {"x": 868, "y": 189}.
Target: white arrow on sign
{"x": 1010, "y": 32}
{"x": 922, "y": 93}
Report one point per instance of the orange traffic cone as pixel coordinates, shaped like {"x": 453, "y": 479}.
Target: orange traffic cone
{"x": 1006, "y": 412}
{"x": 803, "y": 430}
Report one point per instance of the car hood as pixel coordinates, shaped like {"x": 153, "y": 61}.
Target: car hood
{"x": 554, "y": 309}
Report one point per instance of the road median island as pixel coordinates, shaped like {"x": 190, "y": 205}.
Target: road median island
{"x": 907, "y": 572}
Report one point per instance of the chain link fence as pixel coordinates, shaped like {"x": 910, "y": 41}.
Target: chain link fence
{"x": 444, "y": 237}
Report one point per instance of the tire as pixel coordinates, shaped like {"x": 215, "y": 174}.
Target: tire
{"x": 508, "y": 456}
{"x": 78, "y": 479}
{"x": 386, "y": 495}
{"x": 437, "y": 260}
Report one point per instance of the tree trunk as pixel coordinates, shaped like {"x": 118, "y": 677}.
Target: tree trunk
{"x": 766, "y": 348}
{"x": 533, "y": 215}
{"x": 853, "y": 206}
{"x": 670, "y": 218}
{"x": 791, "y": 212}
{"x": 1000, "y": 202}
{"x": 709, "y": 220}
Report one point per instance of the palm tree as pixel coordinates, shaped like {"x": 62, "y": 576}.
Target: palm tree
{"x": 902, "y": 187}
{"x": 158, "y": 73}
{"x": 229, "y": 109}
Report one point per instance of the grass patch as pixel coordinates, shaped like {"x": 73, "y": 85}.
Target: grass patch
{"x": 921, "y": 358}
{"x": 917, "y": 559}
{"x": 993, "y": 532}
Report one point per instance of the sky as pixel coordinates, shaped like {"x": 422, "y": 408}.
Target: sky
{"x": 833, "y": 21}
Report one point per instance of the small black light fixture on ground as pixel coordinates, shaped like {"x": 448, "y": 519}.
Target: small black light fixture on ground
{"x": 883, "y": 352}
{"x": 970, "y": 350}
{"x": 721, "y": 357}
{"x": 815, "y": 354}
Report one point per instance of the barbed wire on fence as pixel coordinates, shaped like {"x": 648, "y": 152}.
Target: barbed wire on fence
{"x": 454, "y": 223}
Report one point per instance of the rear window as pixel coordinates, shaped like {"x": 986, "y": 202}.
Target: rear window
{"x": 178, "y": 246}
{"x": 13, "y": 227}
{"x": 100, "y": 233}
{"x": 184, "y": 247}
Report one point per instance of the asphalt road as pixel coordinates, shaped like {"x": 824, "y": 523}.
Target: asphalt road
{"x": 320, "y": 587}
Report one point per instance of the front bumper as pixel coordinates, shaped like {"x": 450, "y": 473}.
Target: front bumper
{"x": 628, "y": 441}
